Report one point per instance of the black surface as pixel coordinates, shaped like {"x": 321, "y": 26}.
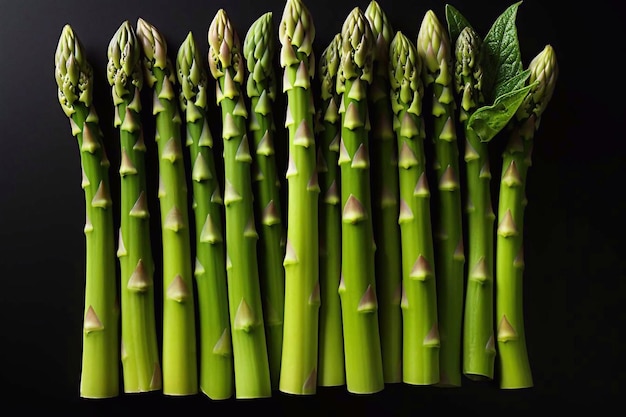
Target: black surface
{"x": 575, "y": 264}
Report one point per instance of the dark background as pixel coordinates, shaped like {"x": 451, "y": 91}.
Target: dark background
{"x": 575, "y": 268}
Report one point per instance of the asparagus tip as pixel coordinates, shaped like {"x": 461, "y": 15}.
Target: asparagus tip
{"x": 468, "y": 71}
{"x": 123, "y": 67}
{"x": 328, "y": 67}
{"x": 153, "y": 43}
{"x": 296, "y": 27}
{"x": 192, "y": 77}
{"x": 381, "y": 27}
{"x": 544, "y": 71}
{"x": 224, "y": 47}
{"x": 404, "y": 75}
{"x": 73, "y": 73}
{"x": 258, "y": 49}
{"x": 357, "y": 48}
{"x": 433, "y": 45}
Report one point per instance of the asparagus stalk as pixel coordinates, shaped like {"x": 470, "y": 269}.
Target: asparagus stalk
{"x": 359, "y": 305}
{"x": 100, "y": 354}
{"x": 433, "y": 47}
{"x": 298, "y": 373}
{"x": 140, "y": 354}
{"x": 419, "y": 297}
{"x": 251, "y": 364}
{"x": 385, "y": 208}
{"x": 331, "y": 363}
{"x": 478, "y": 341}
{"x": 490, "y": 82}
{"x": 514, "y": 365}
{"x": 258, "y": 48}
{"x": 216, "y": 359}
{"x": 179, "y": 362}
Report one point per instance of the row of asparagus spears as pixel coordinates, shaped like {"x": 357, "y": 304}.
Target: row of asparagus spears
{"x": 358, "y": 278}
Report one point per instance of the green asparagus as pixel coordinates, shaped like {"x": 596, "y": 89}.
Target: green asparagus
{"x": 433, "y": 46}
{"x": 514, "y": 365}
{"x": 216, "y": 359}
{"x": 251, "y": 364}
{"x": 258, "y": 48}
{"x": 385, "y": 207}
{"x": 331, "y": 363}
{"x": 140, "y": 353}
{"x": 101, "y": 346}
{"x": 179, "y": 362}
{"x": 419, "y": 295}
{"x": 298, "y": 374}
{"x": 357, "y": 289}
{"x": 489, "y": 82}
{"x": 478, "y": 342}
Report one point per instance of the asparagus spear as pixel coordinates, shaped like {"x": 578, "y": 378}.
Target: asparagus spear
{"x": 478, "y": 342}
{"x": 251, "y": 364}
{"x": 216, "y": 360}
{"x": 385, "y": 209}
{"x": 359, "y": 305}
{"x": 331, "y": 362}
{"x": 179, "y": 329}
{"x": 298, "y": 373}
{"x": 433, "y": 46}
{"x": 100, "y": 355}
{"x": 419, "y": 296}
{"x": 258, "y": 48}
{"x": 514, "y": 365}
{"x": 140, "y": 353}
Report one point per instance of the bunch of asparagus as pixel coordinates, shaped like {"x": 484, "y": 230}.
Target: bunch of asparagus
{"x": 370, "y": 272}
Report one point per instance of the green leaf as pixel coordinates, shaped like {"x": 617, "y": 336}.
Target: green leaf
{"x": 488, "y": 121}
{"x": 500, "y": 55}
{"x": 456, "y": 23}
{"x": 516, "y": 82}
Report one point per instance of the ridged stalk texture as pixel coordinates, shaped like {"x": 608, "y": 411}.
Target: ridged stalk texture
{"x": 216, "y": 355}
{"x": 99, "y": 376}
{"x": 514, "y": 365}
{"x": 251, "y": 364}
{"x": 433, "y": 46}
{"x": 140, "y": 353}
{"x": 385, "y": 201}
{"x": 331, "y": 362}
{"x": 478, "y": 338}
{"x": 179, "y": 362}
{"x": 419, "y": 290}
{"x": 359, "y": 301}
{"x": 258, "y": 48}
{"x": 301, "y": 262}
